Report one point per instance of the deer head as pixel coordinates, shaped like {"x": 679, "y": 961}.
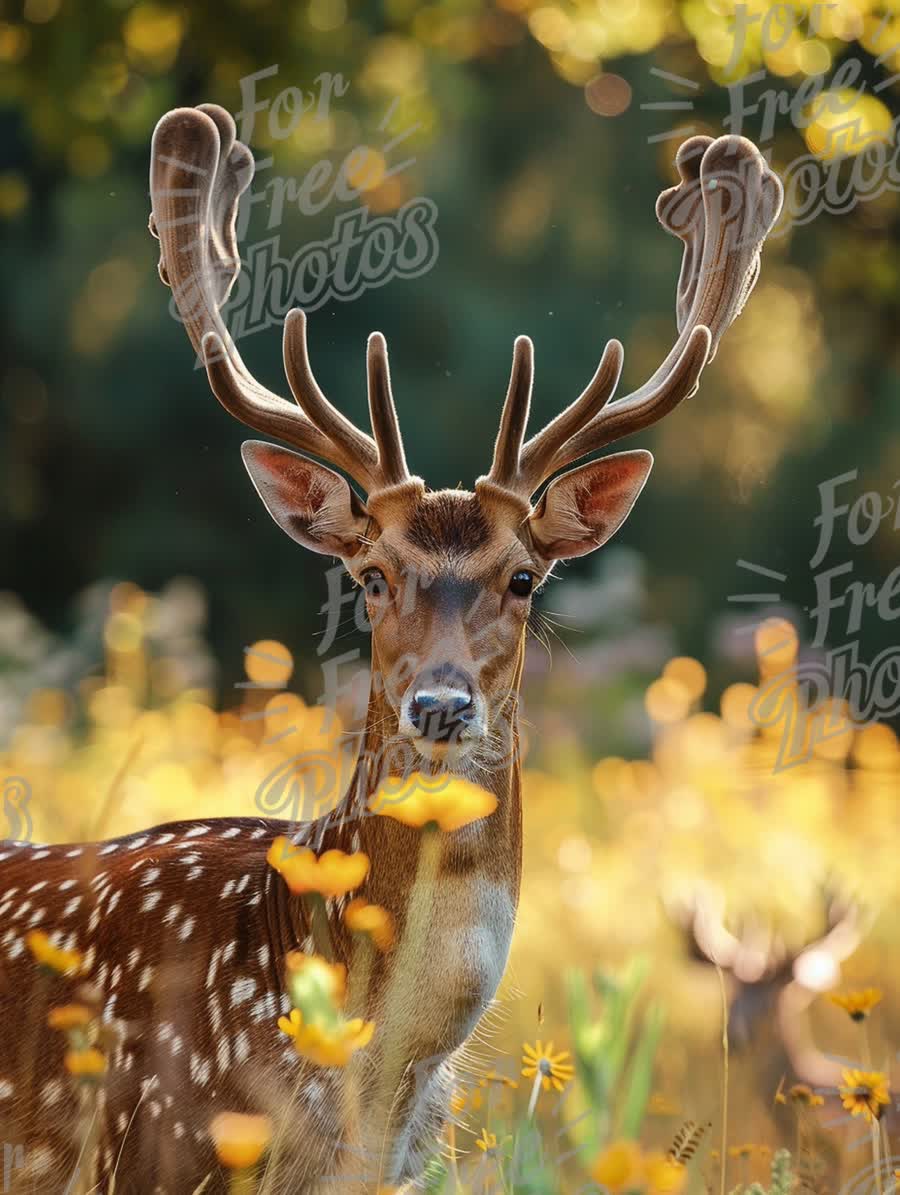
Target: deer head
{"x": 449, "y": 575}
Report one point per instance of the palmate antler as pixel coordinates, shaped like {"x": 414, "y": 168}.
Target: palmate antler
{"x": 723, "y": 208}
{"x": 198, "y": 171}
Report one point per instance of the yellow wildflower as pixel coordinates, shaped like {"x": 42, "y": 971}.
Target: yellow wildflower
{"x": 660, "y": 1104}
{"x": 663, "y": 1175}
{"x": 362, "y": 918}
{"x": 493, "y": 1076}
{"x": 859, "y": 1004}
{"x": 800, "y": 1093}
{"x": 291, "y": 1024}
{"x": 69, "y": 1016}
{"x": 333, "y": 873}
{"x": 864, "y": 1093}
{"x": 462, "y": 1099}
{"x": 328, "y": 1045}
{"x": 618, "y": 1167}
{"x": 487, "y": 1142}
{"x": 448, "y": 802}
{"x": 240, "y": 1140}
{"x": 63, "y": 962}
{"x": 85, "y": 1064}
{"x": 555, "y": 1069}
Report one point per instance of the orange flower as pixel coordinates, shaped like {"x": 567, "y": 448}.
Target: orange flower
{"x": 663, "y": 1175}
{"x": 69, "y": 1016}
{"x": 333, "y": 873}
{"x": 62, "y": 962}
{"x": 363, "y": 918}
{"x": 448, "y": 802}
{"x": 327, "y": 1044}
{"x": 240, "y": 1140}
{"x": 618, "y": 1167}
{"x": 85, "y": 1064}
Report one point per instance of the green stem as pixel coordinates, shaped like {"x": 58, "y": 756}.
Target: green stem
{"x": 535, "y": 1092}
{"x": 724, "y": 997}
{"x": 320, "y": 926}
{"x": 876, "y": 1157}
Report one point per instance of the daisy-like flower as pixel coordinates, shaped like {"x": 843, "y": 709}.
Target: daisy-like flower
{"x": 54, "y": 958}
{"x": 618, "y": 1167}
{"x": 69, "y": 1016}
{"x": 859, "y": 1004}
{"x": 800, "y": 1093}
{"x": 447, "y": 802}
{"x": 864, "y": 1093}
{"x": 487, "y": 1142}
{"x": 240, "y": 1140}
{"x": 333, "y": 873}
{"x": 663, "y": 1175}
{"x": 89, "y": 1063}
{"x": 327, "y": 1044}
{"x": 554, "y": 1070}
{"x": 362, "y": 918}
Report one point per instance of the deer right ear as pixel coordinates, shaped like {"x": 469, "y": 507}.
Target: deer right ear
{"x": 314, "y": 505}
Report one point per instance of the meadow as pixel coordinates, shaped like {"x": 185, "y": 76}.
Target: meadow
{"x": 664, "y": 897}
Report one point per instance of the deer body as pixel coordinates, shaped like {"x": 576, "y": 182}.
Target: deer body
{"x": 185, "y": 928}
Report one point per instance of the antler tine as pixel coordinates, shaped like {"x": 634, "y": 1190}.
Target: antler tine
{"x": 356, "y": 445}
{"x": 391, "y": 457}
{"x": 691, "y": 228}
{"x": 198, "y": 171}
{"x": 542, "y": 448}
{"x": 514, "y": 419}
{"x": 723, "y": 208}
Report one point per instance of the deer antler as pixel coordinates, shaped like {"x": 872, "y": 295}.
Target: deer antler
{"x": 198, "y": 171}
{"x": 723, "y": 208}
{"x": 771, "y": 982}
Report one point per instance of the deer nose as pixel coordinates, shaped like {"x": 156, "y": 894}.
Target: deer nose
{"x": 441, "y": 714}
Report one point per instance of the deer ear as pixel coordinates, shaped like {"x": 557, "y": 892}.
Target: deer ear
{"x": 582, "y": 509}
{"x": 314, "y": 505}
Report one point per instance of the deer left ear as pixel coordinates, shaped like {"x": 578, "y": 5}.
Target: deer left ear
{"x": 582, "y": 509}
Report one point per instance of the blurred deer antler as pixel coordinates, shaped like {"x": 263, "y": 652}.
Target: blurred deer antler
{"x": 770, "y": 980}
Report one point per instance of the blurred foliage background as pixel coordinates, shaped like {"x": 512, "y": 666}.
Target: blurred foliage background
{"x": 118, "y": 463}
{"x": 138, "y": 564}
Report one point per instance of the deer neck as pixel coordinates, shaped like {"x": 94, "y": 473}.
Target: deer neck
{"x": 488, "y": 851}
{"x": 453, "y": 898}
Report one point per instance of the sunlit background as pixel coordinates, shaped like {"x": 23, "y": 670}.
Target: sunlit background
{"x": 138, "y": 565}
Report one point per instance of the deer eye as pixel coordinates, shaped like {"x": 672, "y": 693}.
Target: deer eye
{"x": 375, "y": 583}
{"x": 521, "y": 583}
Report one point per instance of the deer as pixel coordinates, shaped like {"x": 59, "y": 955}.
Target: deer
{"x": 771, "y": 986}
{"x": 185, "y": 927}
